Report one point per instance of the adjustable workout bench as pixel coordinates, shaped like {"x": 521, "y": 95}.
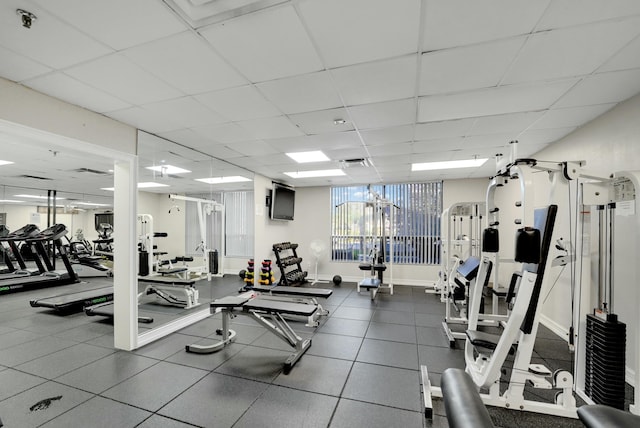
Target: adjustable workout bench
{"x": 174, "y": 291}
{"x": 268, "y": 313}
{"x": 302, "y": 295}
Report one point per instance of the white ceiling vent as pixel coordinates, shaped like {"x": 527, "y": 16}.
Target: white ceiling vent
{"x": 198, "y": 13}
{"x": 356, "y": 162}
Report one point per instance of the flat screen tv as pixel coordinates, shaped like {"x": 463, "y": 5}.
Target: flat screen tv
{"x": 283, "y": 201}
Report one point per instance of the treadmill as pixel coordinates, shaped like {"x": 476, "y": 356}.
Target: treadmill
{"x": 22, "y": 234}
{"x": 51, "y": 277}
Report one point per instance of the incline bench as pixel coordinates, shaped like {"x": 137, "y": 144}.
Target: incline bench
{"x": 465, "y": 408}
{"x": 308, "y": 296}
{"x": 268, "y": 313}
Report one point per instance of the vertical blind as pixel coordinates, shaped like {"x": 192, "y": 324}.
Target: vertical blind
{"x": 238, "y": 233}
{"x": 413, "y": 230}
{"x": 239, "y": 223}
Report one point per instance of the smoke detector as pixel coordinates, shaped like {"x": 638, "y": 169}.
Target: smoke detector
{"x": 27, "y": 17}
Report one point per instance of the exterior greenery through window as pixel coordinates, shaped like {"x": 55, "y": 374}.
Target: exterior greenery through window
{"x": 415, "y": 230}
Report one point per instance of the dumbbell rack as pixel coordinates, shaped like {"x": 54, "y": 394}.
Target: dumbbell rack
{"x": 289, "y": 263}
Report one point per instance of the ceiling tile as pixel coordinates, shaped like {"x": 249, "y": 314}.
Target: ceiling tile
{"x": 221, "y": 152}
{"x": 116, "y": 75}
{"x": 513, "y": 123}
{"x": 353, "y": 31}
{"x": 186, "y": 62}
{"x": 270, "y": 127}
{"x": 381, "y": 115}
{"x": 452, "y": 23}
{"x": 145, "y": 120}
{"x": 304, "y": 93}
{"x": 378, "y": 81}
{"x": 274, "y": 38}
{"x": 241, "y": 103}
{"x": 564, "y": 13}
{"x": 448, "y": 70}
{"x": 438, "y": 145}
{"x": 253, "y": 148}
{"x": 117, "y": 23}
{"x": 223, "y": 134}
{"x": 568, "y": 117}
{"x": 49, "y": 41}
{"x": 319, "y": 122}
{"x": 391, "y": 149}
{"x": 185, "y": 111}
{"x": 570, "y": 52}
{"x": 543, "y": 136}
{"x": 396, "y": 134}
{"x": 185, "y": 137}
{"x": 68, "y": 89}
{"x": 602, "y": 88}
{"x": 351, "y": 153}
{"x": 627, "y": 58}
{"x": 485, "y": 102}
{"x": 329, "y": 141}
{"x": 444, "y": 129}
{"x": 18, "y": 67}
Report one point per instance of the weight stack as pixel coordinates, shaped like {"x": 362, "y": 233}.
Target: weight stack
{"x": 605, "y": 360}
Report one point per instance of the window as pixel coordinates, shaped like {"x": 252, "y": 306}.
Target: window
{"x": 239, "y": 219}
{"x": 414, "y": 225}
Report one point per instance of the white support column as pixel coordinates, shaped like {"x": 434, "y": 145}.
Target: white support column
{"x": 125, "y": 281}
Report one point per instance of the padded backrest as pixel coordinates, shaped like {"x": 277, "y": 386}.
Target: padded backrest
{"x": 462, "y": 403}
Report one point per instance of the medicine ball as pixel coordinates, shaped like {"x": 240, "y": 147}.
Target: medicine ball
{"x": 242, "y": 273}
{"x": 337, "y": 279}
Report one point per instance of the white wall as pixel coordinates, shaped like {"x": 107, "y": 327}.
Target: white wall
{"x": 24, "y": 106}
{"x": 313, "y": 221}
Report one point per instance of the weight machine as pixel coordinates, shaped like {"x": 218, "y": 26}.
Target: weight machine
{"x": 485, "y": 353}
{"x": 381, "y": 214}
{"x": 212, "y": 260}
{"x": 176, "y": 292}
{"x": 459, "y": 239}
{"x": 600, "y": 338}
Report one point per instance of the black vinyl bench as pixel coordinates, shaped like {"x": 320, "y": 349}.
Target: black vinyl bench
{"x": 268, "y": 313}
{"x": 304, "y": 295}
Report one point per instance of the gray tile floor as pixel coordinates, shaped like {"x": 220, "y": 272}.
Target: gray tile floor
{"x": 362, "y": 369}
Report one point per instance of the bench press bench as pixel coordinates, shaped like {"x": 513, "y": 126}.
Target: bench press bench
{"x": 302, "y": 295}
{"x": 268, "y": 313}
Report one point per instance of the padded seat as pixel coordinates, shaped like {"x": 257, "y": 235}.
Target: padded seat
{"x": 170, "y": 271}
{"x": 294, "y": 291}
{"x": 599, "y": 416}
{"x": 481, "y": 339}
{"x": 376, "y": 267}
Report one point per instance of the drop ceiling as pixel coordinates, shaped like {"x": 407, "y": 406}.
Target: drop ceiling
{"x": 413, "y": 80}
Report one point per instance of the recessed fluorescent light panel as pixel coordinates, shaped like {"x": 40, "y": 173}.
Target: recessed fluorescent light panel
{"x": 306, "y": 157}
{"x": 168, "y": 169}
{"x": 2, "y": 201}
{"x": 429, "y": 166}
{"x": 314, "y": 174}
{"x": 221, "y": 180}
{"x": 36, "y": 197}
{"x": 3, "y": 162}
{"x": 149, "y": 184}
{"x": 92, "y": 204}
